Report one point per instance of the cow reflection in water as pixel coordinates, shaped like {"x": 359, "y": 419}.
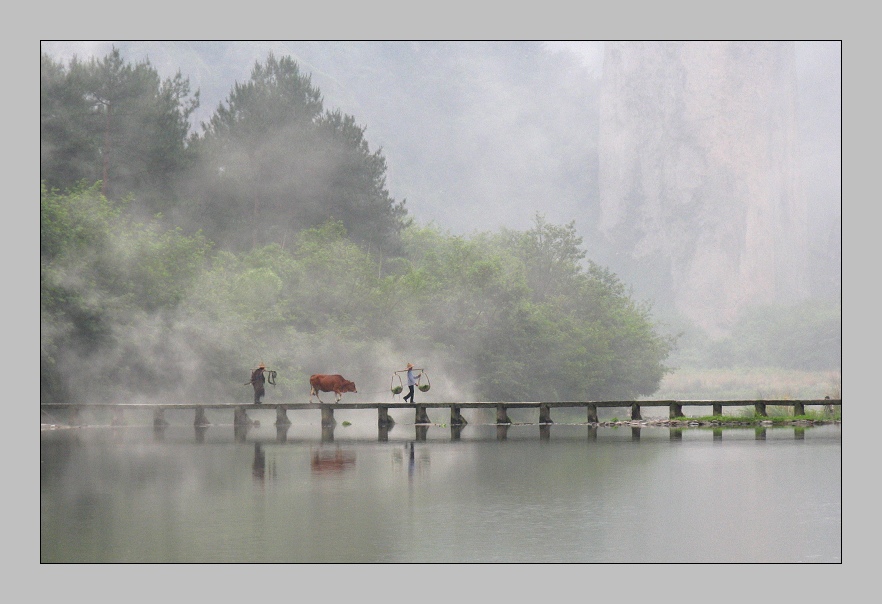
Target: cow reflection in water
{"x": 331, "y": 462}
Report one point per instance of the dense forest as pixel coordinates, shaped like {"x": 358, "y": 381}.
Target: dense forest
{"x": 174, "y": 261}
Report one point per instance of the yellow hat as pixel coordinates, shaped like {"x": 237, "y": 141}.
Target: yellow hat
{"x": 261, "y": 366}
{"x": 410, "y": 365}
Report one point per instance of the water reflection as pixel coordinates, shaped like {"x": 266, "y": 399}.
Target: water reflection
{"x": 383, "y": 432}
{"x": 159, "y": 432}
{"x": 200, "y": 433}
{"x": 413, "y": 463}
{"x": 328, "y": 434}
{"x": 102, "y": 501}
{"x": 421, "y": 432}
{"x": 258, "y": 467}
{"x": 240, "y": 432}
{"x": 331, "y": 462}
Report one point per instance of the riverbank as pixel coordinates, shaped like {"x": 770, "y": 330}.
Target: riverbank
{"x": 724, "y": 422}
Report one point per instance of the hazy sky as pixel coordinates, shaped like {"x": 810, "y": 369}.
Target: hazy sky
{"x": 482, "y": 169}
{"x": 475, "y": 168}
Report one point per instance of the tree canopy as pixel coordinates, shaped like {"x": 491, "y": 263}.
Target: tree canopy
{"x": 272, "y": 161}
{"x": 173, "y": 262}
{"x": 110, "y": 121}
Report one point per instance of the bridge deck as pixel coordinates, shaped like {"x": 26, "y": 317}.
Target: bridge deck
{"x": 445, "y": 405}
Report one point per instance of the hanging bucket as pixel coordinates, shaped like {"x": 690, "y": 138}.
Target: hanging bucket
{"x": 396, "y": 389}
{"x": 425, "y": 387}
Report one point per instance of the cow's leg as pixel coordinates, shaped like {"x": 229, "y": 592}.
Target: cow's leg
{"x": 316, "y": 393}
{"x": 338, "y": 395}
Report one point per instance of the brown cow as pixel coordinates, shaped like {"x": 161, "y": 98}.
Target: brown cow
{"x": 330, "y": 383}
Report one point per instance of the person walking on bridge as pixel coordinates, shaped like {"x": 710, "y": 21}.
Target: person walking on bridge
{"x": 411, "y": 382}
{"x": 258, "y": 379}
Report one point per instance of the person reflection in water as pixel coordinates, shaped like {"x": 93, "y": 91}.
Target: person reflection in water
{"x": 258, "y": 468}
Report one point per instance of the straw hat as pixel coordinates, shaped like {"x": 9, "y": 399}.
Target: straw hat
{"x": 410, "y": 365}
{"x": 261, "y": 366}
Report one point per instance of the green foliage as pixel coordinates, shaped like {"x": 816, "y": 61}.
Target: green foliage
{"x": 99, "y": 269}
{"x": 115, "y": 122}
{"x": 314, "y": 262}
{"x": 777, "y": 414}
{"x": 271, "y": 162}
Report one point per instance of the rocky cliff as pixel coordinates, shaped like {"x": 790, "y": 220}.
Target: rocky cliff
{"x": 699, "y": 189}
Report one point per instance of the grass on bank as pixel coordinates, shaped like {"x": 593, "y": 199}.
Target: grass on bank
{"x": 776, "y": 414}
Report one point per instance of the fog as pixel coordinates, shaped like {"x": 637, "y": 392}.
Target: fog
{"x": 480, "y": 137}
{"x": 463, "y": 145}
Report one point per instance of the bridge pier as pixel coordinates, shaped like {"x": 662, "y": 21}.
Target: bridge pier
{"x": 760, "y": 409}
{"x": 383, "y": 419}
{"x": 201, "y": 419}
{"x": 635, "y": 411}
{"x": 199, "y": 433}
{"x": 676, "y": 410}
{"x": 240, "y": 417}
{"x": 159, "y": 418}
{"x": 718, "y": 409}
{"x": 421, "y": 432}
{"x": 544, "y": 415}
{"x": 282, "y": 416}
{"x": 328, "y": 433}
{"x": 240, "y": 432}
{"x": 455, "y": 432}
{"x": 328, "y": 420}
{"x": 421, "y": 416}
{"x": 501, "y": 415}
{"x": 798, "y": 409}
{"x": 456, "y": 418}
{"x": 592, "y": 413}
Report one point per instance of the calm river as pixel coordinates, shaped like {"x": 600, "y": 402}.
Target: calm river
{"x": 562, "y": 493}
